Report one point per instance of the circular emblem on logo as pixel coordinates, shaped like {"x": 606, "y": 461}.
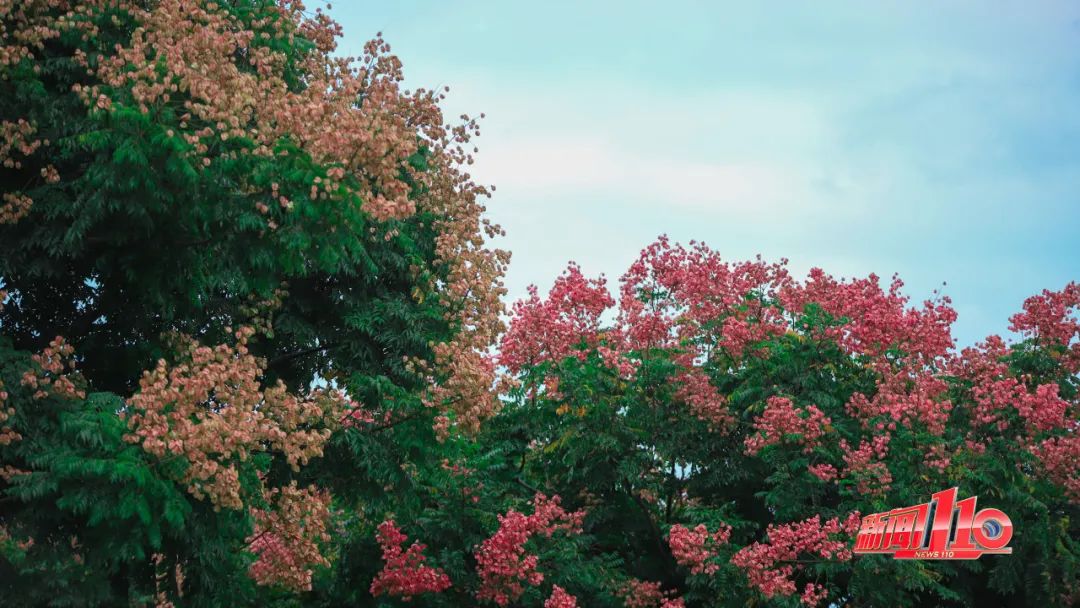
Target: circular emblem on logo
{"x": 991, "y": 528}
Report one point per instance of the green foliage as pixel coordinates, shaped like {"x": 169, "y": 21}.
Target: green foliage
{"x": 141, "y": 242}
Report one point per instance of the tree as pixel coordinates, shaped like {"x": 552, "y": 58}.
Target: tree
{"x": 238, "y": 269}
{"x": 724, "y": 432}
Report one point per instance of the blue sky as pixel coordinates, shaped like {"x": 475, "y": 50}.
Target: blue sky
{"x": 937, "y": 140}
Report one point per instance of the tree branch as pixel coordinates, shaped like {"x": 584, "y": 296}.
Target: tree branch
{"x": 297, "y": 354}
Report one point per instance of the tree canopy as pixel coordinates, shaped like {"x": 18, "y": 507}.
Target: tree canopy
{"x": 253, "y": 351}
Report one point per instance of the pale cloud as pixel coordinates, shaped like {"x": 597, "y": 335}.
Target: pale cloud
{"x": 571, "y": 164}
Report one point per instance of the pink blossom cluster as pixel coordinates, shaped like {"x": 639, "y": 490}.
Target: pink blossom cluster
{"x": 1044, "y": 409}
{"x": 813, "y": 594}
{"x": 356, "y": 417}
{"x": 17, "y": 142}
{"x": 1051, "y": 318}
{"x": 14, "y": 206}
{"x": 463, "y": 384}
{"x": 702, "y": 399}
{"x": 771, "y": 565}
{"x": 166, "y": 60}
{"x": 552, "y": 329}
{"x": 694, "y": 547}
{"x": 994, "y": 391}
{"x": 780, "y": 419}
{"x": 904, "y": 397}
{"x": 671, "y": 292}
{"x": 560, "y": 599}
{"x": 697, "y": 306}
{"x": 53, "y": 372}
{"x": 1060, "y": 459}
{"x": 704, "y": 311}
{"x": 212, "y": 410}
{"x": 647, "y": 594}
{"x": 866, "y": 467}
{"x": 874, "y": 321}
{"x": 404, "y": 573}
{"x": 937, "y": 457}
{"x": 616, "y": 359}
{"x": 28, "y": 26}
{"x": 7, "y": 434}
{"x": 17, "y": 139}
{"x": 823, "y": 471}
{"x": 288, "y": 535}
{"x": 668, "y": 294}
{"x": 1047, "y": 318}
{"x": 503, "y": 563}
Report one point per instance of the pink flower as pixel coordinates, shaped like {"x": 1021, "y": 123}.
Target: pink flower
{"x": 782, "y": 418}
{"x": 287, "y": 537}
{"x": 770, "y": 566}
{"x": 404, "y": 573}
{"x": 641, "y": 594}
{"x": 813, "y": 594}
{"x": 693, "y": 548}
{"x": 1058, "y": 457}
{"x": 503, "y": 563}
{"x": 870, "y": 321}
{"x": 824, "y": 472}
{"x": 671, "y": 290}
{"x": 1051, "y": 319}
{"x": 865, "y": 465}
{"x": 553, "y": 329}
{"x": 702, "y": 398}
{"x": 560, "y": 599}
{"x": 904, "y": 397}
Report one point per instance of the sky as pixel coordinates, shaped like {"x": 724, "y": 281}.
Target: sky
{"x": 937, "y": 140}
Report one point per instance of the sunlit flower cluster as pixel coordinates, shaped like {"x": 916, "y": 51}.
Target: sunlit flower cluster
{"x": 566, "y": 323}
{"x": 212, "y": 410}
